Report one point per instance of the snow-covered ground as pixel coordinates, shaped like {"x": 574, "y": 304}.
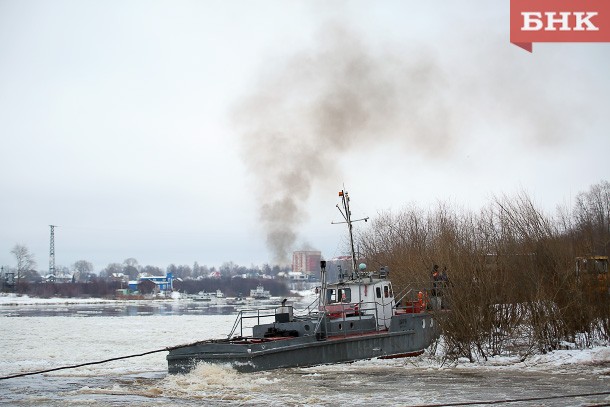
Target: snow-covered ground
{"x": 594, "y": 360}
{"x": 15, "y": 299}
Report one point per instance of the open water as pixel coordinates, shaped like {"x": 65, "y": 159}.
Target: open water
{"x": 43, "y": 337}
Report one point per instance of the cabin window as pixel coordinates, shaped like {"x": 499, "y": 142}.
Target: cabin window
{"x": 339, "y": 295}
{"x": 378, "y": 291}
{"x": 331, "y": 296}
{"x": 386, "y": 291}
{"x": 345, "y": 295}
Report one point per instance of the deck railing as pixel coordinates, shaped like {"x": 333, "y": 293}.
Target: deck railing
{"x": 408, "y": 300}
{"x": 257, "y": 314}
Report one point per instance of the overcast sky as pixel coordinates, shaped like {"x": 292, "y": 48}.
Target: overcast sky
{"x": 183, "y": 131}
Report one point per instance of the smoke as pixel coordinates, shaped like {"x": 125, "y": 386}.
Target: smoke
{"x": 338, "y": 97}
{"x": 344, "y": 95}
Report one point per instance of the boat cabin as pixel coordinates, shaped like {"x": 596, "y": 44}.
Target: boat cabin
{"x": 368, "y": 295}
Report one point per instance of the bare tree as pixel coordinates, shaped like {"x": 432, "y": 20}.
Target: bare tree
{"x": 592, "y": 213}
{"x": 82, "y": 270}
{"x": 131, "y": 262}
{"x": 511, "y": 267}
{"x": 110, "y": 269}
{"x": 153, "y": 270}
{"x": 131, "y": 268}
{"x": 25, "y": 260}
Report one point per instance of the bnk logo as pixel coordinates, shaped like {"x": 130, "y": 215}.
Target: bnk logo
{"x": 559, "y": 21}
{"x": 533, "y": 21}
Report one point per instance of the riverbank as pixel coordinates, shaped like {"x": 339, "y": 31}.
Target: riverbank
{"x": 10, "y": 299}
{"x": 17, "y": 299}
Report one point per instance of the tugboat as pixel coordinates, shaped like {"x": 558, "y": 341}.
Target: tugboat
{"x": 260, "y": 293}
{"x": 217, "y": 298}
{"x": 354, "y": 318}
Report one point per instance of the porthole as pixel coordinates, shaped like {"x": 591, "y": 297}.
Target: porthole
{"x": 340, "y": 327}
{"x": 423, "y": 323}
{"x": 351, "y": 325}
{"x": 306, "y": 327}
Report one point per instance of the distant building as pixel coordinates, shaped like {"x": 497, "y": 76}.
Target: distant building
{"x": 299, "y": 281}
{"x": 307, "y": 262}
{"x": 298, "y": 276}
{"x": 163, "y": 283}
{"x": 61, "y": 278}
{"x": 7, "y": 279}
{"x": 119, "y": 277}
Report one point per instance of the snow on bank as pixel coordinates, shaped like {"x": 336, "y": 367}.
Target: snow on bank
{"x": 594, "y": 360}
{"x": 18, "y": 299}
{"x": 15, "y": 299}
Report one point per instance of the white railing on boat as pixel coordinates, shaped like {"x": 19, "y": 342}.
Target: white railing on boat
{"x": 257, "y": 314}
{"x": 407, "y": 303}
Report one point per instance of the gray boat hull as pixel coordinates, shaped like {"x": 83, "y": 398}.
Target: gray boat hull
{"x": 339, "y": 341}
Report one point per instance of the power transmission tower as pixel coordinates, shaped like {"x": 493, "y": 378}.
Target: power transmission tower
{"x": 52, "y": 251}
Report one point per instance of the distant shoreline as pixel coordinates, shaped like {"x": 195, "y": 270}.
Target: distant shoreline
{"x": 11, "y": 299}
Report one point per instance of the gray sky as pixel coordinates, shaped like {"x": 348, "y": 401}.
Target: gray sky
{"x": 176, "y": 131}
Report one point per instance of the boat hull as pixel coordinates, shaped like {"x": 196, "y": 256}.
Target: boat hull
{"x": 408, "y": 335}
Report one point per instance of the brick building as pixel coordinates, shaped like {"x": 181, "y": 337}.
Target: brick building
{"x": 307, "y": 262}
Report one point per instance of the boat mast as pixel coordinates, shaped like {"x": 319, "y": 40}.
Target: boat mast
{"x": 347, "y": 215}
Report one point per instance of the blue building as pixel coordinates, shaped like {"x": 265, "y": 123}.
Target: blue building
{"x": 163, "y": 283}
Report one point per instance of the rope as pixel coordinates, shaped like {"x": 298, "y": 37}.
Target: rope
{"x": 489, "y": 402}
{"x": 85, "y": 364}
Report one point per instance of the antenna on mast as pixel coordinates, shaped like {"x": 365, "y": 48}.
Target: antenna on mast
{"x": 347, "y": 215}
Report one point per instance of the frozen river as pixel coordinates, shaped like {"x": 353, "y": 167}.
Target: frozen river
{"x": 31, "y": 341}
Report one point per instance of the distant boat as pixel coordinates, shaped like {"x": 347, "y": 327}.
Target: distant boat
{"x": 260, "y": 293}
{"x": 201, "y": 296}
{"x": 239, "y": 300}
{"x": 216, "y": 298}
{"x": 356, "y": 317}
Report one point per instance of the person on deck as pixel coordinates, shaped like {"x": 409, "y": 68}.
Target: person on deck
{"x": 436, "y": 287}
